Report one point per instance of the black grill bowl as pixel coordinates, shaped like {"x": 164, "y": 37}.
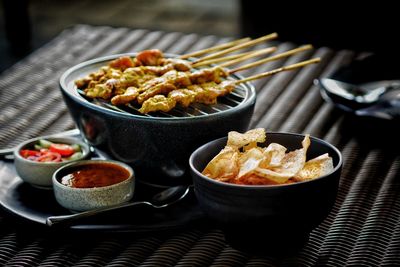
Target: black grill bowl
{"x": 158, "y": 145}
{"x": 267, "y": 218}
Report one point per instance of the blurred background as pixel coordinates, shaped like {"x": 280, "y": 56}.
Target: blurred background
{"x": 25, "y": 25}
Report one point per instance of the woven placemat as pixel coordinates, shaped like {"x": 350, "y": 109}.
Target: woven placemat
{"x": 362, "y": 229}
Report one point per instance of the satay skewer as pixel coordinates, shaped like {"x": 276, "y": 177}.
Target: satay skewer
{"x": 201, "y": 76}
{"x": 215, "y": 48}
{"x": 267, "y": 37}
{"x": 275, "y": 71}
{"x": 235, "y": 58}
{"x": 220, "y": 59}
{"x": 155, "y": 102}
{"x": 247, "y": 55}
{"x": 166, "y": 103}
{"x": 265, "y": 60}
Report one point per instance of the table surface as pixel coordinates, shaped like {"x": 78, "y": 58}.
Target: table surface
{"x": 362, "y": 229}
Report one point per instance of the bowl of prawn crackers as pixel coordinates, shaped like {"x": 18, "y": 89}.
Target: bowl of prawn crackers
{"x": 266, "y": 189}
{"x": 152, "y": 110}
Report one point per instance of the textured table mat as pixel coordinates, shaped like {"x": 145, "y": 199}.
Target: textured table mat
{"x": 362, "y": 229}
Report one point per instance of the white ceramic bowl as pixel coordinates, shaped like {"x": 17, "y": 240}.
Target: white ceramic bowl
{"x": 82, "y": 199}
{"x": 39, "y": 174}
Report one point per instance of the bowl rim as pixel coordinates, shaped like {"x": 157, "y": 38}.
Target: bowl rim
{"x": 265, "y": 187}
{"x": 249, "y": 99}
{"x": 63, "y": 187}
{"x": 84, "y": 147}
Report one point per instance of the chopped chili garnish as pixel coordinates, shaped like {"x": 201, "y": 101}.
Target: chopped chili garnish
{"x": 46, "y": 151}
{"x": 28, "y": 153}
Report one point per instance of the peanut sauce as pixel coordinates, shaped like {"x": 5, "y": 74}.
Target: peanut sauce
{"x": 95, "y": 175}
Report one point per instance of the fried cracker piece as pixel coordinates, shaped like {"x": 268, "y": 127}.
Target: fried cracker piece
{"x": 277, "y": 177}
{"x": 294, "y": 161}
{"x": 274, "y": 153}
{"x": 315, "y": 168}
{"x": 239, "y": 140}
{"x": 250, "y": 160}
{"x": 223, "y": 166}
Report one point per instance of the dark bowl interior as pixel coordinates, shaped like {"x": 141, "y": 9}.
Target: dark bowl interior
{"x": 274, "y": 215}
{"x": 157, "y": 148}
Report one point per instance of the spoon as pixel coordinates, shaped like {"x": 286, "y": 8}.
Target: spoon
{"x": 161, "y": 200}
{"x": 387, "y": 107}
{"x": 356, "y": 96}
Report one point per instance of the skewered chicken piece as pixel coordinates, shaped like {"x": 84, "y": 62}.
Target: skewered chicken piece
{"x": 114, "y": 82}
{"x": 129, "y": 77}
{"x": 209, "y": 92}
{"x": 129, "y": 95}
{"x": 184, "y": 97}
{"x": 152, "y": 85}
{"x": 173, "y": 80}
{"x": 104, "y": 87}
{"x": 157, "y": 103}
{"x": 98, "y": 84}
{"x": 213, "y": 74}
{"x": 203, "y": 94}
{"x": 168, "y": 82}
{"x": 133, "y": 91}
{"x": 151, "y": 57}
{"x": 206, "y": 93}
{"x": 155, "y": 57}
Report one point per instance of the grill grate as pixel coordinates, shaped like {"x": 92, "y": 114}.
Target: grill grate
{"x": 235, "y": 98}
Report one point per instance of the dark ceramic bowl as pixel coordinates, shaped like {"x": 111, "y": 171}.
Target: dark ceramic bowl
{"x": 272, "y": 216}
{"x": 157, "y": 146}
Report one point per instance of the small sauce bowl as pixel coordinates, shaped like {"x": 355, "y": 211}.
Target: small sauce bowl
{"x": 39, "y": 174}
{"x": 91, "y": 184}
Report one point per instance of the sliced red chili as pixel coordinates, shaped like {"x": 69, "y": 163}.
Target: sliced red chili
{"x": 28, "y": 153}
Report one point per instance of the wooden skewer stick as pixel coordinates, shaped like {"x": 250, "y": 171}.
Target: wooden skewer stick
{"x": 215, "y": 48}
{"x": 233, "y": 59}
{"x": 239, "y": 46}
{"x": 220, "y": 59}
{"x": 248, "y": 56}
{"x": 276, "y": 57}
{"x": 275, "y": 71}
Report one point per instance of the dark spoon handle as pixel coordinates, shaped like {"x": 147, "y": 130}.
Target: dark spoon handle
{"x": 7, "y": 151}
{"x": 183, "y": 192}
{"x": 53, "y": 220}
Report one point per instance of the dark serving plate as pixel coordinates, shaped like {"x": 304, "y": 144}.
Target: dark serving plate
{"x": 36, "y": 205}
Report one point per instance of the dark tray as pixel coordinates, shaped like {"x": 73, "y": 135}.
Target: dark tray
{"x": 36, "y": 205}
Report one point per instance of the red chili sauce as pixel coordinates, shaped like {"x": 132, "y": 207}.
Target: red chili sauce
{"x": 95, "y": 175}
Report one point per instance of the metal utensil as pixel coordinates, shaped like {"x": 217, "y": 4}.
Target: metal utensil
{"x": 387, "y": 107}
{"x": 161, "y": 200}
{"x": 367, "y": 93}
